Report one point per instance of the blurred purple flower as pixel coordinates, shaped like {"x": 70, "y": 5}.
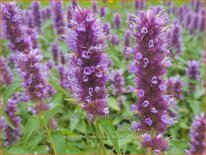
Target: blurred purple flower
{"x": 36, "y": 15}
{"x": 197, "y": 135}
{"x": 94, "y": 6}
{"x": 114, "y": 40}
{"x": 117, "y": 20}
{"x": 102, "y": 11}
{"x": 6, "y": 75}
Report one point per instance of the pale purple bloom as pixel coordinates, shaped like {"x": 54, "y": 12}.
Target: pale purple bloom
{"x": 197, "y": 135}
{"x": 114, "y": 40}
{"x": 36, "y": 15}
{"x": 117, "y": 20}
{"x": 6, "y": 75}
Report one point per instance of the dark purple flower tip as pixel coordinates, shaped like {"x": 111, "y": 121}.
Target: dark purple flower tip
{"x": 114, "y": 40}
{"x": 117, "y": 20}
{"x": 102, "y": 12}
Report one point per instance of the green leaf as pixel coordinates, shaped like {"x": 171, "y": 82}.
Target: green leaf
{"x": 43, "y": 149}
{"x": 8, "y": 121}
{"x": 73, "y": 150}
{"x": 32, "y": 126}
{"x": 51, "y": 112}
{"x": 109, "y": 129}
{"x": 59, "y": 142}
{"x": 58, "y": 87}
{"x": 112, "y": 102}
{"x": 35, "y": 140}
{"x": 10, "y": 90}
{"x": 17, "y": 149}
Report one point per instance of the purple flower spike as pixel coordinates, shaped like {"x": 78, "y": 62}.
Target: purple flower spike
{"x": 139, "y": 4}
{"x": 102, "y": 12}
{"x": 69, "y": 14}
{"x": 88, "y": 63}
{"x": 174, "y": 87}
{"x": 12, "y": 135}
{"x": 149, "y": 69}
{"x": 36, "y": 15}
{"x": 57, "y": 15}
{"x": 117, "y": 20}
{"x": 197, "y": 135}
{"x": 118, "y": 82}
{"x": 193, "y": 73}
{"x": 114, "y": 40}
{"x": 6, "y": 76}
{"x": 94, "y": 6}
{"x": 106, "y": 28}
{"x": 55, "y": 52}
{"x": 127, "y": 39}
{"x": 175, "y": 39}
{"x": 12, "y": 28}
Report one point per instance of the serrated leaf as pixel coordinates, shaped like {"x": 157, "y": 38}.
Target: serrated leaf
{"x": 32, "y": 125}
{"x": 109, "y": 129}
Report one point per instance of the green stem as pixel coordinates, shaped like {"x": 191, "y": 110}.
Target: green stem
{"x": 48, "y": 134}
{"x": 100, "y": 137}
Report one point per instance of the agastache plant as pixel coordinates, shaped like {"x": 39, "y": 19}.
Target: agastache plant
{"x": 27, "y": 58}
{"x": 57, "y": 15}
{"x": 12, "y": 135}
{"x": 197, "y": 135}
{"x": 36, "y": 15}
{"x": 149, "y": 66}
{"x": 193, "y": 74}
{"x": 6, "y": 75}
{"x": 117, "y": 20}
{"x": 88, "y": 62}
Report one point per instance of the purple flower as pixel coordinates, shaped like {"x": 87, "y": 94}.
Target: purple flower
{"x": 36, "y": 15}
{"x": 139, "y": 4}
{"x": 74, "y": 4}
{"x": 46, "y": 13}
{"x": 6, "y": 76}
{"x": 114, "y": 40}
{"x": 94, "y": 6}
{"x": 33, "y": 36}
{"x": 117, "y": 20}
{"x": 55, "y": 52}
{"x": 12, "y": 135}
{"x": 57, "y": 15}
{"x": 118, "y": 82}
{"x": 174, "y": 87}
{"x": 88, "y": 63}
{"x": 174, "y": 39}
{"x": 65, "y": 76}
{"x": 27, "y": 58}
{"x": 102, "y": 12}
{"x": 127, "y": 39}
{"x": 158, "y": 144}
{"x": 69, "y": 14}
{"x": 12, "y": 28}
{"x": 149, "y": 70}
{"x": 106, "y": 28}
{"x": 197, "y": 135}
{"x": 193, "y": 73}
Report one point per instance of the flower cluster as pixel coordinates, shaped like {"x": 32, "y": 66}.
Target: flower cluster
{"x": 36, "y": 15}
{"x": 117, "y": 20}
{"x": 88, "y": 63}
{"x": 174, "y": 39}
{"x": 28, "y": 58}
{"x": 55, "y": 52}
{"x": 149, "y": 67}
{"x": 193, "y": 73}
{"x": 118, "y": 85}
{"x": 12, "y": 28}
{"x": 6, "y": 76}
{"x": 102, "y": 11}
{"x": 127, "y": 40}
{"x": 114, "y": 40}
{"x": 197, "y": 134}
{"x": 12, "y": 134}
{"x": 139, "y": 4}
{"x": 174, "y": 87}
{"x": 57, "y": 15}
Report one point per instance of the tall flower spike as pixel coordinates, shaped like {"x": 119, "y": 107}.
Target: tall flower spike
{"x": 197, "y": 135}
{"x": 27, "y": 58}
{"x": 57, "y": 15}
{"x": 36, "y": 15}
{"x": 118, "y": 85}
{"x": 149, "y": 70}
{"x": 139, "y": 4}
{"x": 55, "y": 52}
{"x": 117, "y": 20}
{"x": 102, "y": 11}
{"x": 12, "y": 135}
{"x": 127, "y": 39}
{"x": 6, "y": 75}
{"x": 193, "y": 73}
{"x": 12, "y": 28}
{"x": 114, "y": 40}
{"x": 174, "y": 39}
{"x": 89, "y": 63}
{"x": 94, "y": 6}
{"x": 106, "y": 28}
{"x": 69, "y": 14}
